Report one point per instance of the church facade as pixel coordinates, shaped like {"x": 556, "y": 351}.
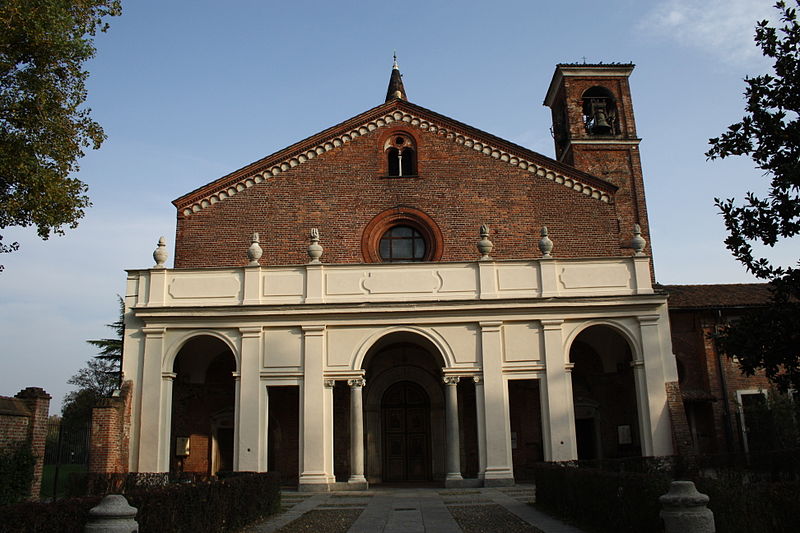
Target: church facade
{"x": 403, "y": 297}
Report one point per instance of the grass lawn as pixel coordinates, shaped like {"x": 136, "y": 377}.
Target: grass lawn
{"x": 64, "y": 471}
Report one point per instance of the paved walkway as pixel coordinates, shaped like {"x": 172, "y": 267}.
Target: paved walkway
{"x": 439, "y": 510}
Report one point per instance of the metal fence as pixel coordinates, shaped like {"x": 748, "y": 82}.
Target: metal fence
{"x": 66, "y": 451}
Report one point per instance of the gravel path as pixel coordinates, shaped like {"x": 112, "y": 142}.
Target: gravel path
{"x": 323, "y": 521}
{"x": 489, "y": 517}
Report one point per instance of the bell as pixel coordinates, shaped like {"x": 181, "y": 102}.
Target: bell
{"x": 601, "y": 125}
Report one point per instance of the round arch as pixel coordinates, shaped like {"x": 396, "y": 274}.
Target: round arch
{"x": 630, "y": 337}
{"x": 444, "y": 350}
{"x": 182, "y": 339}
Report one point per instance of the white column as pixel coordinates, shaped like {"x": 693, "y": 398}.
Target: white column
{"x": 558, "y": 411}
{"x": 328, "y": 408}
{"x": 313, "y": 476}
{"x": 151, "y": 412}
{"x": 499, "y": 471}
{"x": 642, "y": 408}
{"x": 250, "y": 406}
{"x": 356, "y": 431}
{"x": 167, "y": 378}
{"x": 451, "y": 417}
{"x": 480, "y": 412}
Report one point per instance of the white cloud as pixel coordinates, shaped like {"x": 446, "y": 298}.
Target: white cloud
{"x": 721, "y": 28}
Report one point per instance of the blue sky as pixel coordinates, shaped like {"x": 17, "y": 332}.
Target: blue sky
{"x": 189, "y": 91}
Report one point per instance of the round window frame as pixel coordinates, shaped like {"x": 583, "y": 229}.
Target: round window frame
{"x": 401, "y": 216}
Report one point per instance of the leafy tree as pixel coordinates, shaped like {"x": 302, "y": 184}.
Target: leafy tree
{"x": 99, "y": 377}
{"x": 769, "y": 134}
{"x": 43, "y": 126}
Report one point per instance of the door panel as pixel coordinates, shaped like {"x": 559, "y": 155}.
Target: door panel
{"x": 406, "y": 433}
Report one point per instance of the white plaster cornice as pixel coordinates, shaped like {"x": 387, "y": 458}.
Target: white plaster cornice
{"x": 489, "y": 149}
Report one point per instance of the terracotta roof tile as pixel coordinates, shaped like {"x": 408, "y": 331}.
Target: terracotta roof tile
{"x": 717, "y": 296}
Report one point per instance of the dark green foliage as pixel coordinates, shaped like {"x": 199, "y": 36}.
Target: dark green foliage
{"x": 604, "y": 501}
{"x": 756, "y": 492}
{"x": 16, "y": 474}
{"x": 740, "y": 506}
{"x": 769, "y": 134}
{"x": 44, "y": 127}
{"x": 205, "y": 507}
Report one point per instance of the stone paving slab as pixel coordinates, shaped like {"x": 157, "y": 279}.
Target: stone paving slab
{"x": 419, "y": 510}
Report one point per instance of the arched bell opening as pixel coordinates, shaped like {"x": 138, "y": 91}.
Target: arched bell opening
{"x": 600, "y": 111}
{"x": 604, "y": 395}
{"x": 203, "y": 407}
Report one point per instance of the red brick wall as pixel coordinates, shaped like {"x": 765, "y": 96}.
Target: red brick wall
{"x": 28, "y": 428}
{"x": 110, "y": 437}
{"x": 341, "y": 190}
{"x": 681, "y": 435}
{"x": 700, "y": 362}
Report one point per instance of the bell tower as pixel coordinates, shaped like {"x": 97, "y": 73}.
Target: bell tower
{"x": 594, "y": 131}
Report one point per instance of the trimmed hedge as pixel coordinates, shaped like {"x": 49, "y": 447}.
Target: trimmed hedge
{"x": 613, "y": 502}
{"x": 740, "y": 506}
{"x": 206, "y": 507}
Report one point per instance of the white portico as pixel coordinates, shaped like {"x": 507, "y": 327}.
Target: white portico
{"x": 395, "y": 372}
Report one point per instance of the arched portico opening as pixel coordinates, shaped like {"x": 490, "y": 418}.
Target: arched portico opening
{"x": 203, "y": 407}
{"x": 404, "y": 410}
{"x": 604, "y": 394}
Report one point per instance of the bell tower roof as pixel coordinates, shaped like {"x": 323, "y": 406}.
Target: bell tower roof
{"x": 396, "y": 91}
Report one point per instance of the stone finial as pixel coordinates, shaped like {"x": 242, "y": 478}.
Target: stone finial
{"x": 160, "y": 254}
{"x": 684, "y": 510}
{"x": 113, "y": 513}
{"x": 545, "y": 244}
{"x": 255, "y": 252}
{"x": 638, "y": 243}
{"x": 485, "y": 245}
{"x": 314, "y": 249}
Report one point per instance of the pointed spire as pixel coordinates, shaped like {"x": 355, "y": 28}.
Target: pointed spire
{"x": 396, "y": 89}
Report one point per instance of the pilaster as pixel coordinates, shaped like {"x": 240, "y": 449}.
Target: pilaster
{"x": 558, "y": 411}
{"x": 251, "y": 404}
{"x": 151, "y": 412}
{"x": 499, "y": 470}
{"x": 313, "y": 476}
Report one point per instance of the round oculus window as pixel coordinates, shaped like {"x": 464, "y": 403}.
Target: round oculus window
{"x": 402, "y": 244}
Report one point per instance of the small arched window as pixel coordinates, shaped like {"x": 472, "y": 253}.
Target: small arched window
{"x": 401, "y": 155}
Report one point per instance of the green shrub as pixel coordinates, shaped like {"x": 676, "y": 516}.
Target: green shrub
{"x": 741, "y": 506}
{"x": 209, "y": 506}
{"x": 617, "y": 502}
{"x": 16, "y": 474}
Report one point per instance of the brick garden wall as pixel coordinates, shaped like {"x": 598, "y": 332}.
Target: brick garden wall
{"x": 23, "y": 421}
{"x": 110, "y": 436}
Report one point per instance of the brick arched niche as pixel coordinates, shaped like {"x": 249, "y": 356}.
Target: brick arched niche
{"x": 401, "y": 216}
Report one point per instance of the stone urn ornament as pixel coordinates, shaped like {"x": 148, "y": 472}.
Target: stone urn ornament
{"x": 638, "y": 243}
{"x": 160, "y": 254}
{"x": 545, "y": 244}
{"x": 314, "y": 249}
{"x": 255, "y": 252}
{"x": 485, "y": 245}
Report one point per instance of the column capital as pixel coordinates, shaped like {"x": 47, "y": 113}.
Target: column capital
{"x": 236, "y": 375}
{"x": 357, "y": 383}
{"x": 330, "y": 383}
{"x": 568, "y": 367}
{"x": 551, "y": 323}
{"x": 168, "y": 376}
{"x": 451, "y": 380}
{"x": 648, "y": 320}
{"x": 153, "y": 332}
{"x": 490, "y": 325}
{"x": 637, "y": 364}
{"x": 316, "y": 329}
{"x": 478, "y": 380}
{"x": 250, "y": 331}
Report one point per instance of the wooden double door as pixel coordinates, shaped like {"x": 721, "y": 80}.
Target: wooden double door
{"x": 406, "y": 414}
